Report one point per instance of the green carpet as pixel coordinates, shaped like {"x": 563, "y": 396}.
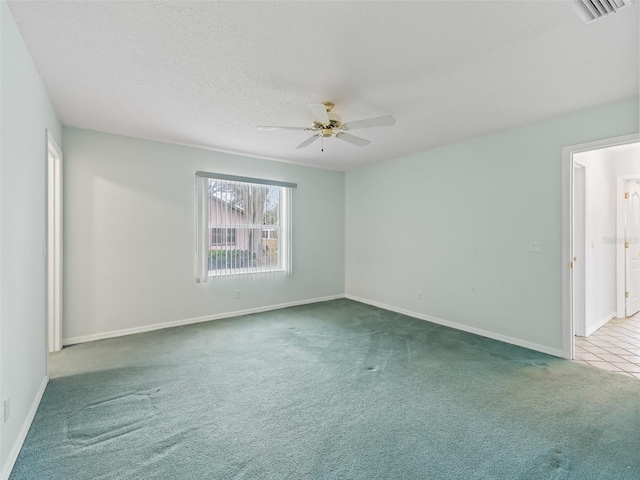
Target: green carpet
{"x": 330, "y": 390}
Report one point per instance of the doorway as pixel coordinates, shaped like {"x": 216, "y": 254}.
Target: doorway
{"x": 54, "y": 245}
{"x": 601, "y": 280}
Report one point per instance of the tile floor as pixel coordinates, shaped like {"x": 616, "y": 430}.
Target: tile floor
{"x": 614, "y": 347}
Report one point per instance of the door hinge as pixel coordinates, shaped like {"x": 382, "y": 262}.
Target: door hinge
{"x": 626, "y": 194}
{"x": 570, "y": 265}
{"x": 626, "y": 244}
{"x": 626, "y": 294}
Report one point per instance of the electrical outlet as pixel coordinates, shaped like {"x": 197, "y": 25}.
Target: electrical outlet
{"x": 419, "y": 294}
{"x": 7, "y": 409}
{"x": 237, "y": 293}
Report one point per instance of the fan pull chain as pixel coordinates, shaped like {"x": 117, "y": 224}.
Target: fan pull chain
{"x": 322, "y": 144}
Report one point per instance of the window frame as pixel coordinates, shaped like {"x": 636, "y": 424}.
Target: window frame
{"x": 204, "y": 229}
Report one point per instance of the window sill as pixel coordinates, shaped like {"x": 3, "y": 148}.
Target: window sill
{"x": 244, "y": 271}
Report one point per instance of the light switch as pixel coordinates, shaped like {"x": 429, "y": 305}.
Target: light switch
{"x": 535, "y": 247}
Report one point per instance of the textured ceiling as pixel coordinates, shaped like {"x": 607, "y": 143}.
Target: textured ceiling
{"x": 207, "y": 73}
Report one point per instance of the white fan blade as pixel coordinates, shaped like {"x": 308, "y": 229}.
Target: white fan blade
{"x": 319, "y": 112}
{"x": 283, "y": 128}
{"x": 384, "y": 121}
{"x": 347, "y": 137}
{"x": 308, "y": 141}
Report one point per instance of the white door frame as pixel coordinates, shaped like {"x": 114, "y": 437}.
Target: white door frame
{"x": 567, "y": 233}
{"x": 54, "y": 245}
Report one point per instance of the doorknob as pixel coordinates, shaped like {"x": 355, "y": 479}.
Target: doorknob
{"x": 575, "y": 259}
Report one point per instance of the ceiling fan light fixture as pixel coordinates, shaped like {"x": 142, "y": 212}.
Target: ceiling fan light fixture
{"x": 334, "y": 117}
{"x": 329, "y": 124}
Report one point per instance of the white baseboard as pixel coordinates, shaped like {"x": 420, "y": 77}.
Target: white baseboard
{"x": 600, "y": 323}
{"x": 237, "y": 313}
{"x": 460, "y": 326}
{"x": 22, "y": 434}
{"x": 189, "y": 321}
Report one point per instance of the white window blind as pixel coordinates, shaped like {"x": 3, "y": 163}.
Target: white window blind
{"x": 243, "y": 225}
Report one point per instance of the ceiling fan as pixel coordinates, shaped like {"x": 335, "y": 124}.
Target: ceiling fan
{"x": 329, "y": 124}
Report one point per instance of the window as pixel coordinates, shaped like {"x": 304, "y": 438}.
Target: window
{"x": 244, "y": 225}
{"x": 223, "y": 236}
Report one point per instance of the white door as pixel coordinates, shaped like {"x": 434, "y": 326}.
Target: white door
{"x": 632, "y": 248}
{"x": 579, "y": 250}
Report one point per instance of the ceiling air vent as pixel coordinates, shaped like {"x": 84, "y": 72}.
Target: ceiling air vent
{"x": 592, "y": 10}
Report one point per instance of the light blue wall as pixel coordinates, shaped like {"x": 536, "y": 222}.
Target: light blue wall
{"x": 129, "y": 233}
{"x": 456, "y": 222}
{"x": 26, "y": 112}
